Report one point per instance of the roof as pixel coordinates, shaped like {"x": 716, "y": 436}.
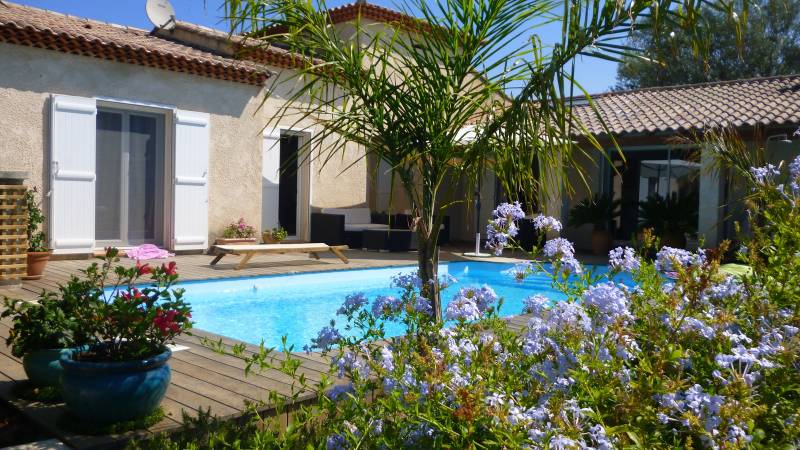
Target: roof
{"x": 352, "y": 11}
{"x": 364, "y": 10}
{"x": 752, "y": 102}
{"x": 24, "y": 25}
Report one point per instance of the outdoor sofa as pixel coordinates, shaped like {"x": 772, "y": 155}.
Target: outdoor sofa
{"x": 347, "y": 226}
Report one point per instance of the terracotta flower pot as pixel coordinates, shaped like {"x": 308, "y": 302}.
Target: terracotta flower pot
{"x": 36, "y": 263}
{"x": 236, "y": 241}
{"x": 268, "y": 239}
{"x": 601, "y": 242}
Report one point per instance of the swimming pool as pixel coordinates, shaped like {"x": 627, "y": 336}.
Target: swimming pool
{"x": 299, "y": 305}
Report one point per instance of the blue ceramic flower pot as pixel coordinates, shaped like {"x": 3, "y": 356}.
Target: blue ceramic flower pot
{"x": 43, "y": 367}
{"x": 110, "y": 392}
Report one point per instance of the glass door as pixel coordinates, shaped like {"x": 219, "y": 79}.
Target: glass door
{"x": 129, "y": 189}
{"x": 287, "y": 186}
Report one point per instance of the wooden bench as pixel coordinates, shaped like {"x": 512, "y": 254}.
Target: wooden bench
{"x": 248, "y": 251}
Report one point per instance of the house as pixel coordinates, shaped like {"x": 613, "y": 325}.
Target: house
{"x": 647, "y": 125}
{"x": 157, "y": 136}
{"x": 140, "y": 136}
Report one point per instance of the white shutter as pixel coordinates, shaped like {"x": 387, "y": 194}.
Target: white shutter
{"x": 190, "y": 205}
{"x": 72, "y": 173}
{"x": 270, "y": 178}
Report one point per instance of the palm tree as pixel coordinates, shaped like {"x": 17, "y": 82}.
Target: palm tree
{"x": 407, "y": 93}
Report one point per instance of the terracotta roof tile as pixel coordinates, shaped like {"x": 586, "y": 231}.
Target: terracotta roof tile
{"x": 742, "y": 103}
{"x": 40, "y": 28}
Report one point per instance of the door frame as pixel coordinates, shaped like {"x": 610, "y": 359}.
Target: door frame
{"x": 304, "y": 192}
{"x": 163, "y": 214}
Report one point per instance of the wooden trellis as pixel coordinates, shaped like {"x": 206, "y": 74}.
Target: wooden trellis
{"x": 13, "y": 232}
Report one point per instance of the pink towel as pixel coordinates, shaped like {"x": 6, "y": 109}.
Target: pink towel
{"x": 147, "y": 251}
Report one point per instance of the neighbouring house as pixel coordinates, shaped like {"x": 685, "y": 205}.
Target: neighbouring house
{"x": 648, "y": 124}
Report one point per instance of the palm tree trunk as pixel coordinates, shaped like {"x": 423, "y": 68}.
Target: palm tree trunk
{"x": 428, "y": 250}
{"x": 428, "y": 262}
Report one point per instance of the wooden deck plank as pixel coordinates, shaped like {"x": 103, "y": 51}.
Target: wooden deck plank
{"x": 319, "y": 364}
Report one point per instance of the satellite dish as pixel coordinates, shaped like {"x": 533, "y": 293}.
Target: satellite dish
{"x": 161, "y": 14}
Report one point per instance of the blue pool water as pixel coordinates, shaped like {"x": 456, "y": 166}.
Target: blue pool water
{"x": 298, "y": 306}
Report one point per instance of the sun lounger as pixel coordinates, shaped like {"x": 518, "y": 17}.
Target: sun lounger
{"x": 248, "y": 251}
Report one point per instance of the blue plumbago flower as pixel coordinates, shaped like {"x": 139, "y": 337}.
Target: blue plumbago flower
{"x": 512, "y": 211}
{"x": 337, "y": 391}
{"x": 566, "y": 314}
{"x": 496, "y": 238}
{"x": 484, "y": 297}
{"x": 561, "y": 442}
{"x": 326, "y": 337}
{"x": 667, "y": 257}
{"x": 352, "y": 363}
{"x": 496, "y": 400}
{"x": 407, "y": 281}
{"x": 561, "y": 252}
{"x": 546, "y": 223}
{"x": 693, "y": 324}
{"x": 410, "y": 382}
{"x": 464, "y": 306}
{"x": 386, "y": 306}
{"x": 736, "y": 337}
{"x": 737, "y": 436}
{"x": 696, "y": 402}
{"x": 503, "y": 226}
{"x": 520, "y": 271}
{"x": 742, "y": 361}
{"x": 376, "y": 427}
{"x": 558, "y": 247}
{"x": 609, "y": 301}
{"x": 337, "y": 442}
{"x": 764, "y": 174}
{"x": 457, "y": 378}
{"x": 387, "y": 359}
{"x": 536, "y": 304}
{"x": 600, "y": 438}
{"x": 624, "y": 259}
{"x": 570, "y": 265}
{"x": 626, "y": 347}
{"x": 352, "y": 303}
{"x": 423, "y": 305}
{"x": 728, "y": 287}
{"x": 419, "y": 434}
{"x": 794, "y": 167}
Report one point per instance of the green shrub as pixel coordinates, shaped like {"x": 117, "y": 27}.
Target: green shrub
{"x": 688, "y": 357}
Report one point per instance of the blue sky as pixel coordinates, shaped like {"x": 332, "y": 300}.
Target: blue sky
{"x": 595, "y": 75}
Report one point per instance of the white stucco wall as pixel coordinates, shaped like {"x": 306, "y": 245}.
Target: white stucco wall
{"x": 30, "y": 75}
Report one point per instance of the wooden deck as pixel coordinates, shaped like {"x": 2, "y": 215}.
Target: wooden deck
{"x": 201, "y": 378}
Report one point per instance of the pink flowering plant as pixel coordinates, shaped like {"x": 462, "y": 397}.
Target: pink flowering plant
{"x": 696, "y": 359}
{"x": 239, "y": 230}
{"x": 131, "y": 319}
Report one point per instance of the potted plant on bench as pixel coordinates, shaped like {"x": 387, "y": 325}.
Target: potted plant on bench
{"x": 124, "y": 373}
{"x": 38, "y": 253}
{"x": 274, "y": 236}
{"x": 238, "y": 233}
